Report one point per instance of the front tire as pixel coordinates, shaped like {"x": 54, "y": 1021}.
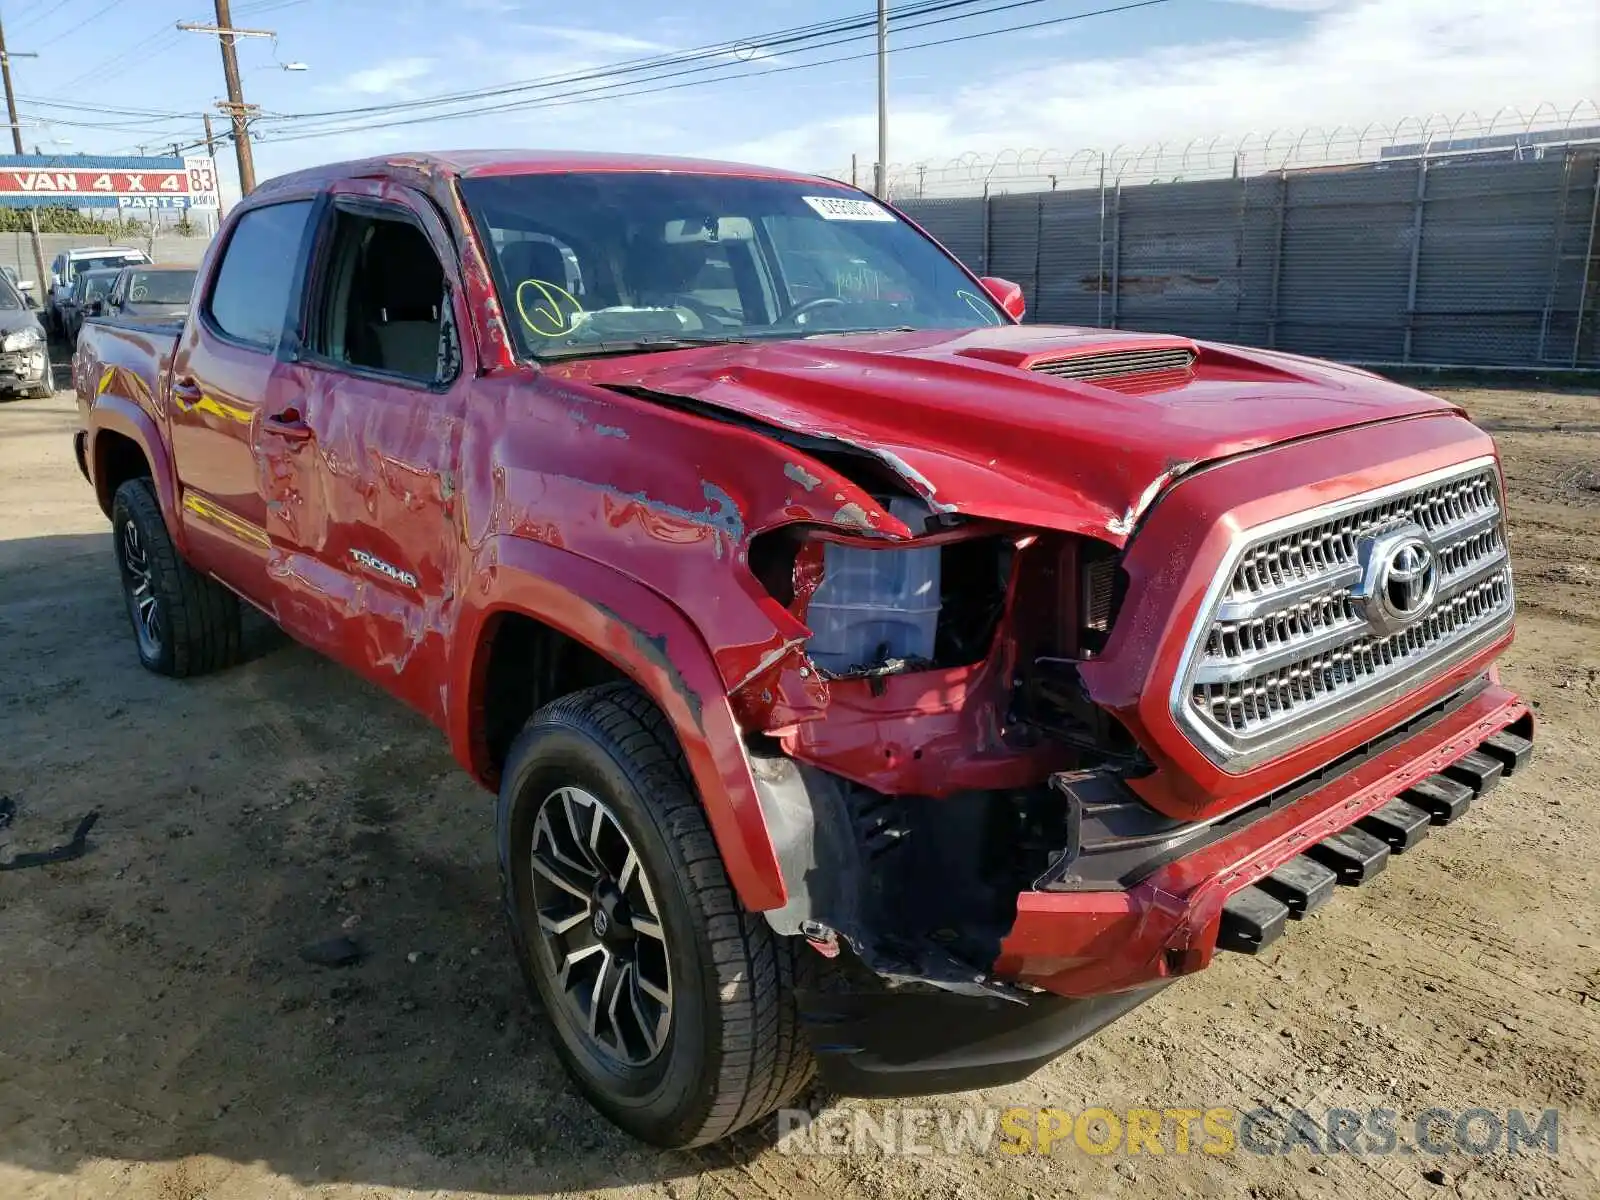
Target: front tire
{"x": 184, "y": 622}
{"x": 673, "y": 1008}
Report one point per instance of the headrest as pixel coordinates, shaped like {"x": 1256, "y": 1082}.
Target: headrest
{"x": 533, "y": 260}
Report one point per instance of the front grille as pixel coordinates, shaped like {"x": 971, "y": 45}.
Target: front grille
{"x": 1295, "y": 638}
{"x": 1118, "y": 362}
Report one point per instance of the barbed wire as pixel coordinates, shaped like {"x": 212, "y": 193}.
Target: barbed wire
{"x": 1508, "y": 131}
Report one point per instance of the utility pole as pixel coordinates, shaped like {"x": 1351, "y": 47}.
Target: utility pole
{"x": 238, "y": 111}
{"x": 881, "y": 173}
{"x": 41, "y": 283}
{"x": 215, "y": 221}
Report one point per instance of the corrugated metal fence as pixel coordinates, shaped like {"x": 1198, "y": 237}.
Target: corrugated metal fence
{"x": 1485, "y": 263}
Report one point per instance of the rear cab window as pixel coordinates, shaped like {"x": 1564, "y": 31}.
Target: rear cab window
{"x": 249, "y": 298}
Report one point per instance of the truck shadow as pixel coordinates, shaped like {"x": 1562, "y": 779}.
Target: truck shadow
{"x": 156, "y": 1004}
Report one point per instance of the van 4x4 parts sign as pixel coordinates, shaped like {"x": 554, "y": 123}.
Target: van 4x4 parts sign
{"x": 86, "y": 181}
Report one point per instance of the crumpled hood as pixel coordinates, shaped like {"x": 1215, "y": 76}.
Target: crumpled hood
{"x": 967, "y": 422}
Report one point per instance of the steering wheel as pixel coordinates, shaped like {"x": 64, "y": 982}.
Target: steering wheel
{"x": 792, "y": 315}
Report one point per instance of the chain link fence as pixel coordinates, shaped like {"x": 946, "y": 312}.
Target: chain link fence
{"x": 1453, "y": 261}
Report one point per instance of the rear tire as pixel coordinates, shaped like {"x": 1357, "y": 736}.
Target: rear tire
{"x": 184, "y": 622}
{"x": 728, "y": 1049}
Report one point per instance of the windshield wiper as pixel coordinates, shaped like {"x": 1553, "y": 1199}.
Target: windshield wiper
{"x": 873, "y": 329}
{"x": 634, "y": 346}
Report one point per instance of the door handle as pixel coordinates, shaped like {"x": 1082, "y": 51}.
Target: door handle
{"x": 288, "y": 424}
{"x": 186, "y": 391}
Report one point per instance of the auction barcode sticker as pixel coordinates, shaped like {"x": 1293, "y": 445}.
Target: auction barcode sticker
{"x": 844, "y": 208}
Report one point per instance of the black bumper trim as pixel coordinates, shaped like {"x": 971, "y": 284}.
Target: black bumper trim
{"x": 1354, "y": 855}
{"x": 1399, "y": 823}
{"x": 1251, "y": 921}
{"x": 888, "y": 1043}
{"x": 1512, "y": 750}
{"x": 1445, "y": 800}
{"x": 1303, "y": 884}
{"x": 1477, "y": 770}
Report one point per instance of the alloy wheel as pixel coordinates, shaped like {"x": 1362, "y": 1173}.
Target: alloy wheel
{"x": 138, "y": 579}
{"x": 600, "y": 928}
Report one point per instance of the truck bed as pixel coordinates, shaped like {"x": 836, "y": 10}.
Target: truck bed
{"x": 155, "y": 325}
{"x": 140, "y": 348}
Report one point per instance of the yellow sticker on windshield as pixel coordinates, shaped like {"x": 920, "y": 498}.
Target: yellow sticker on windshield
{"x": 982, "y": 307}
{"x": 548, "y": 317}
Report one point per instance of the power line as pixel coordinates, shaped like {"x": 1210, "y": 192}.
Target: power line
{"x": 608, "y": 92}
{"x": 864, "y": 26}
{"x": 756, "y": 44}
{"x": 124, "y": 60}
{"x": 71, "y": 106}
{"x": 38, "y": 15}
{"x": 70, "y": 30}
{"x": 107, "y": 126}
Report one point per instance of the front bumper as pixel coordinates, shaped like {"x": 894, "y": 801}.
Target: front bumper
{"x": 1091, "y": 943}
{"x": 24, "y": 368}
{"x": 1084, "y": 958}
{"x": 887, "y": 1043}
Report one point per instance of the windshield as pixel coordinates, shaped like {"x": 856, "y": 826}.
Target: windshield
{"x": 102, "y": 262}
{"x": 160, "y": 287}
{"x": 586, "y": 262}
{"x": 97, "y": 285}
{"x": 10, "y": 299}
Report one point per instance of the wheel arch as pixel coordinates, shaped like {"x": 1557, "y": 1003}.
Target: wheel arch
{"x": 124, "y": 444}
{"x": 609, "y": 625}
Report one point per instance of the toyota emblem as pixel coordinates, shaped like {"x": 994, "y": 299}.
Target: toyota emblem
{"x": 1400, "y": 578}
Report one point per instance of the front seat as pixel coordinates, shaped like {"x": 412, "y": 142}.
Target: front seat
{"x": 539, "y": 260}
{"x": 547, "y": 312}
{"x": 404, "y": 329}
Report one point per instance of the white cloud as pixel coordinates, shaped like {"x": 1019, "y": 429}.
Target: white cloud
{"x": 1290, "y": 5}
{"x": 386, "y": 78}
{"x": 592, "y": 39}
{"x": 1361, "y": 61}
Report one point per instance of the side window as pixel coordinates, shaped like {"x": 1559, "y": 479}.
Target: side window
{"x": 383, "y": 305}
{"x": 250, "y": 297}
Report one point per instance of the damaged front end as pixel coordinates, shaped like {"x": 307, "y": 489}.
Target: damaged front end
{"x": 929, "y": 751}
{"x": 927, "y": 756}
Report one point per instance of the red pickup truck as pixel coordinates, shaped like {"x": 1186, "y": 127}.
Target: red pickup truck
{"x": 873, "y": 685}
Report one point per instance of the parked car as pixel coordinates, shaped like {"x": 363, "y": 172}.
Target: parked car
{"x": 871, "y": 683}
{"x": 24, "y": 354}
{"x": 23, "y": 287}
{"x": 87, "y": 298}
{"x": 64, "y": 270}
{"x": 154, "y": 293}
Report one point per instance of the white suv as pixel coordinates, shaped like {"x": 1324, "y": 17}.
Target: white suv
{"x": 69, "y": 263}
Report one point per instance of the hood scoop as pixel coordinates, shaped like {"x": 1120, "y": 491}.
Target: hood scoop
{"x": 1123, "y": 361}
{"x": 1113, "y": 364}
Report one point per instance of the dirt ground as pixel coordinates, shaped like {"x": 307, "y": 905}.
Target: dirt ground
{"x": 160, "y": 1038}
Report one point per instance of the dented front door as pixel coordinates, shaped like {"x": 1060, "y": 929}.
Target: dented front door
{"x": 362, "y": 509}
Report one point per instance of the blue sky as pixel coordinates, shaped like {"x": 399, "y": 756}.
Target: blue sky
{"x": 1180, "y": 70}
